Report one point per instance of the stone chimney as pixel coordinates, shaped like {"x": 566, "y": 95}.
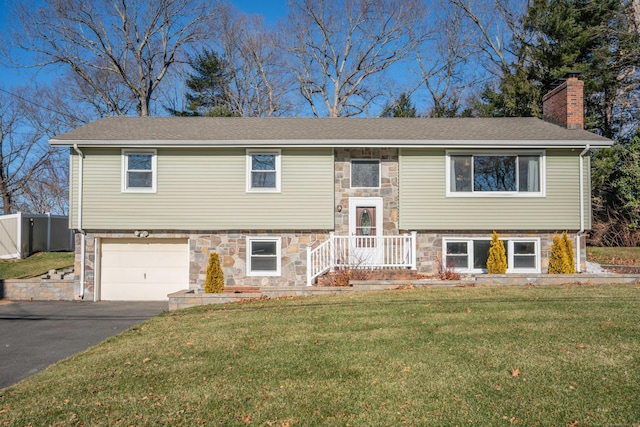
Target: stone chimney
{"x": 564, "y": 105}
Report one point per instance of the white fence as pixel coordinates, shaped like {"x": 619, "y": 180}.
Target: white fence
{"x": 24, "y": 234}
{"x": 361, "y": 252}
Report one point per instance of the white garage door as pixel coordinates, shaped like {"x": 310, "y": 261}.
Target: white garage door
{"x": 132, "y": 270}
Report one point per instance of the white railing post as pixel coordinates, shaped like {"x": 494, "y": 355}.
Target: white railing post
{"x": 414, "y": 250}
{"x": 309, "y": 266}
{"x": 380, "y": 251}
{"x": 332, "y": 252}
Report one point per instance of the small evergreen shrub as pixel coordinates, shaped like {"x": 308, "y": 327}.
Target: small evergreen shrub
{"x": 559, "y": 261}
{"x": 214, "y": 282}
{"x": 570, "y": 254}
{"x": 497, "y": 261}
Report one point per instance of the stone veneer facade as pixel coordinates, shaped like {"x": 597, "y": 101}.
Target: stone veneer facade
{"x": 430, "y": 246}
{"x": 232, "y": 245}
{"x": 388, "y": 191}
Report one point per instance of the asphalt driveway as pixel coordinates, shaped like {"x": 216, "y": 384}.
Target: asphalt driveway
{"x": 33, "y": 335}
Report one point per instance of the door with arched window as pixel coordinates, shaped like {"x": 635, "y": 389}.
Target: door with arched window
{"x": 365, "y": 226}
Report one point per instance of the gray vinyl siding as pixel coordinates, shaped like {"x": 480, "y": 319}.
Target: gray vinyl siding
{"x": 205, "y": 189}
{"x": 425, "y": 206}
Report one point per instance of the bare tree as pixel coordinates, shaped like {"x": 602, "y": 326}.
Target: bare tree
{"x": 635, "y": 14}
{"x": 338, "y": 47}
{"x": 48, "y": 189}
{"x": 24, "y": 152}
{"x": 496, "y": 24}
{"x": 443, "y": 60}
{"x": 259, "y": 87}
{"x": 111, "y": 46}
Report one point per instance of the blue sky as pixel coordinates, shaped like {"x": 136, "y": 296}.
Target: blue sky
{"x": 272, "y": 10}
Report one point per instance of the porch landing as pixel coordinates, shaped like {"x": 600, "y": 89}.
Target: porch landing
{"x": 191, "y": 298}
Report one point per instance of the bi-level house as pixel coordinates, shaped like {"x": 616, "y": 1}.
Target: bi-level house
{"x": 284, "y": 200}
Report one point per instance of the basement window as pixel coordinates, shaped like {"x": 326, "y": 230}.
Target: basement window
{"x": 469, "y": 255}
{"x": 263, "y": 256}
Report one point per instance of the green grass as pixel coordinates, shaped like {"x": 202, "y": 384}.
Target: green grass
{"x": 615, "y": 256}
{"x": 35, "y": 265}
{"x": 434, "y": 357}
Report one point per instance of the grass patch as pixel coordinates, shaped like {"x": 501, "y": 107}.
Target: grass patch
{"x": 35, "y": 265}
{"x": 614, "y": 256}
{"x": 477, "y": 355}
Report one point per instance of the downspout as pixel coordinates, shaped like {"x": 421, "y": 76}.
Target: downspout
{"x": 580, "y": 234}
{"x": 83, "y": 234}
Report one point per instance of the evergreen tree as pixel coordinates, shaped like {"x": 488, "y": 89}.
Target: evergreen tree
{"x": 402, "y": 107}
{"x": 214, "y": 280}
{"x": 559, "y": 262}
{"x": 208, "y": 87}
{"x": 568, "y": 245}
{"x": 595, "y": 38}
{"x": 616, "y": 194}
{"x": 515, "y": 97}
{"x": 497, "y": 260}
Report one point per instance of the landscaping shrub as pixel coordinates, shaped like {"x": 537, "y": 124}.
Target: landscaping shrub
{"x": 445, "y": 272}
{"x": 570, "y": 254}
{"x": 561, "y": 258}
{"x": 214, "y": 282}
{"x": 497, "y": 261}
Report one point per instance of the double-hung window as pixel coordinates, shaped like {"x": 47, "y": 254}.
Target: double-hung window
{"x": 365, "y": 174}
{"x": 263, "y": 170}
{"x": 469, "y": 255}
{"x": 492, "y": 174}
{"x": 139, "y": 171}
{"x": 263, "y": 257}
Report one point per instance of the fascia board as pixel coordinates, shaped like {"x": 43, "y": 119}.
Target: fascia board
{"x": 355, "y": 143}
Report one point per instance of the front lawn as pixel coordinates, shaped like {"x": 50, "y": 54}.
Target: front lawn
{"x": 614, "y": 256}
{"x": 35, "y": 265}
{"x": 548, "y": 355}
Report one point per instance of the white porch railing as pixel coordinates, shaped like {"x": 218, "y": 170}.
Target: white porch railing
{"x": 361, "y": 252}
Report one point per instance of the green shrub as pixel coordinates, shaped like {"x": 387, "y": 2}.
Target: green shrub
{"x": 497, "y": 261}
{"x": 561, "y": 258}
{"x": 214, "y": 282}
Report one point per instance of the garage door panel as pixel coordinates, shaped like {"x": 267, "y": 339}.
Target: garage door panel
{"x": 143, "y": 271}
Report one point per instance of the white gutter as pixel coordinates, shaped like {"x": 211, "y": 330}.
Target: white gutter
{"x": 580, "y": 234}
{"x": 83, "y": 234}
{"x": 334, "y": 143}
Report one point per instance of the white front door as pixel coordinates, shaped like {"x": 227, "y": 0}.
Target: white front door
{"x": 365, "y": 226}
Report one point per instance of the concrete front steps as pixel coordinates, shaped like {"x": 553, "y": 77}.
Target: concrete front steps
{"x": 192, "y": 297}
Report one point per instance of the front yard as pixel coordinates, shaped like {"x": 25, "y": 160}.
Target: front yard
{"x": 35, "y": 265}
{"x": 552, "y": 355}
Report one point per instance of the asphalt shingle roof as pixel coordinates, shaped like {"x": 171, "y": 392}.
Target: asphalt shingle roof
{"x": 197, "y": 131}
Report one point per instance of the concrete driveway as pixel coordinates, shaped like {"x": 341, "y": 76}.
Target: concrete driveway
{"x": 33, "y": 335}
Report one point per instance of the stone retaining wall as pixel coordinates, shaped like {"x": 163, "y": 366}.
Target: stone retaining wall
{"x": 194, "y": 297}
{"x": 38, "y": 289}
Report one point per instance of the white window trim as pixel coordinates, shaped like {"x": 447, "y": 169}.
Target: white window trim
{"x": 365, "y": 160}
{"x": 154, "y": 170}
{"x": 509, "y": 241}
{"x": 278, "y": 241}
{"x": 249, "y": 188}
{"x": 510, "y": 263}
{"x": 543, "y": 173}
